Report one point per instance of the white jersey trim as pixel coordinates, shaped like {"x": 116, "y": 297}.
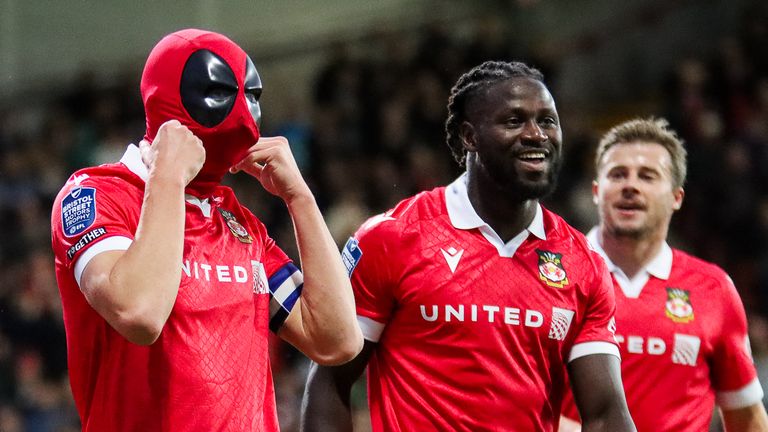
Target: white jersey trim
{"x": 132, "y": 160}
{"x": 660, "y": 267}
{"x": 372, "y": 329}
{"x": 108, "y": 244}
{"x": 463, "y": 216}
{"x": 597, "y": 347}
{"x": 750, "y": 394}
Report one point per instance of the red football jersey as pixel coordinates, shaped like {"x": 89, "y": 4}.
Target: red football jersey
{"x": 209, "y": 369}
{"x": 682, "y": 331}
{"x": 473, "y": 333}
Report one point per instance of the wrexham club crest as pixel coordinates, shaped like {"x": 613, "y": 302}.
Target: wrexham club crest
{"x": 678, "y": 306}
{"x": 235, "y": 228}
{"x": 551, "y": 269}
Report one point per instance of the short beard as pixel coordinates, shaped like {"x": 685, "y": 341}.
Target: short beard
{"x": 524, "y": 190}
{"x": 630, "y": 233}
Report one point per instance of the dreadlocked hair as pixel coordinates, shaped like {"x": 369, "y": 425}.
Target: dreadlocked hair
{"x": 479, "y": 78}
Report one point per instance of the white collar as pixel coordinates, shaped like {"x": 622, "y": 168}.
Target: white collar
{"x": 463, "y": 216}
{"x": 132, "y": 160}
{"x": 660, "y": 266}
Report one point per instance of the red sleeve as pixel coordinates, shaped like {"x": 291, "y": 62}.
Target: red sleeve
{"x": 91, "y": 216}
{"x": 274, "y": 257}
{"x": 373, "y": 278}
{"x": 596, "y": 334}
{"x": 597, "y": 331}
{"x": 733, "y": 372}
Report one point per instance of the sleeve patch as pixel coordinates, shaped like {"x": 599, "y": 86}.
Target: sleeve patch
{"x": 351, "y": 255}
{"x": 85, "y": 240}
{"x": 78, "y": 210}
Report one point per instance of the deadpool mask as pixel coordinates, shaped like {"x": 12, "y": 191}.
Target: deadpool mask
{"x": 210, "y": 85}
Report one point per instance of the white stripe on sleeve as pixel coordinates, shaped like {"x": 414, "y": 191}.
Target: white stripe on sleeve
{"x": 750, "y": 394}
{"x": 372, "y": 330}
{"x": 108, "y": 244}
{"x": 596, "y": 347}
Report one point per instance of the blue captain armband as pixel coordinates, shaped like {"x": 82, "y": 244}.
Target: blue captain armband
{"x": 285, "y": 287}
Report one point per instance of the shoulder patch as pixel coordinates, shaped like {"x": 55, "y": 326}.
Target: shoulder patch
{"x": 78, "y": 210}
{"x": 351, "y": 255}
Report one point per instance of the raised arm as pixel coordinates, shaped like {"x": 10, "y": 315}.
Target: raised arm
{"x": 134, "y": 290}
{"x": 599, "y": 393}
{"x": 326, "y": 404}
{"x": 322, "y": 324}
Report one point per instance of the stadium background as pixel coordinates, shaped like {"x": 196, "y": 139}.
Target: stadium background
{"x": 360, "y": 89}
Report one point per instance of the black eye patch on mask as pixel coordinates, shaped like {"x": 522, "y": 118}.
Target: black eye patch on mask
{"x": 208, "y": 88}
{"x": 252, "y": 90}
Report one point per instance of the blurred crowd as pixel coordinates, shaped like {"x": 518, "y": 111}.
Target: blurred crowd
{"x": 374, "y": 134}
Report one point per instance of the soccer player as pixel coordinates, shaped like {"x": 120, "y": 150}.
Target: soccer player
{"x": 682, "y": 330}
{"x": 474, "y": 300}
{"x": 169, "y": 285}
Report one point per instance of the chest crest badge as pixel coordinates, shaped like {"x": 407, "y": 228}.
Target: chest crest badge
{"x": 551, "y": 269}
{"x": 235, "y": 227}
{"x": 678, "y": 307}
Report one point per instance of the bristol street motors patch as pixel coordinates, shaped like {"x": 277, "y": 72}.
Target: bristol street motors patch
{"x": 678, "y": 307}
{"x": 78, "y": 210}
{"x": 551, "y": 269}
{"x": 235, "y": 227}
{"x": 351, "y": 255}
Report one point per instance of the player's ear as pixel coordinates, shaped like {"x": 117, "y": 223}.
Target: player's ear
{"x": 594, "y": 191}
{"x": 678, "y": 195}
{"x": 468, "y": 136}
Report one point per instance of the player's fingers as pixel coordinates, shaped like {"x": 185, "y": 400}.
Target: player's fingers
{"x": 249, "y": 164}
{"x": 260, "y": 156}
{"x": 255, "y": 170}
{"x": 269, "y": 142}
{"x": 172, "y": 123}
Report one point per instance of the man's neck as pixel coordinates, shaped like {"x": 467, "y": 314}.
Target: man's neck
{"x": 507, "y": 216}
{"x": 630, "y": 254}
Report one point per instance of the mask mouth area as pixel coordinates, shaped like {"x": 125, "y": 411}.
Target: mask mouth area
{"x": 208, "y": 88}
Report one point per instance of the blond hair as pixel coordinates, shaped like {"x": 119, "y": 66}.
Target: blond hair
{"x": 650, "y": 130}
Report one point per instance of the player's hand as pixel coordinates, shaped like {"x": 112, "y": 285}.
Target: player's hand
{"x": 175, "y": 152}
{"x": 270, "y": 160}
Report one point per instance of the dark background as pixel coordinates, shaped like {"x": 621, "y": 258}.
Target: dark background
{"x": 360, "y": 90}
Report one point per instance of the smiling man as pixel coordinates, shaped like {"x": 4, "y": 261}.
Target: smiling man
{"x": 474, "y": 300}
{"x": 681, "y": 325}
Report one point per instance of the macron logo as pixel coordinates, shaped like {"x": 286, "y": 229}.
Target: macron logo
{"x": 452, "y": 257}
{"x": 77, "y": 179}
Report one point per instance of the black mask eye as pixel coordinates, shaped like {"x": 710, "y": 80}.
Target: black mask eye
{"x": 252, "y": 90}
{"x": 208, "y": 88}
